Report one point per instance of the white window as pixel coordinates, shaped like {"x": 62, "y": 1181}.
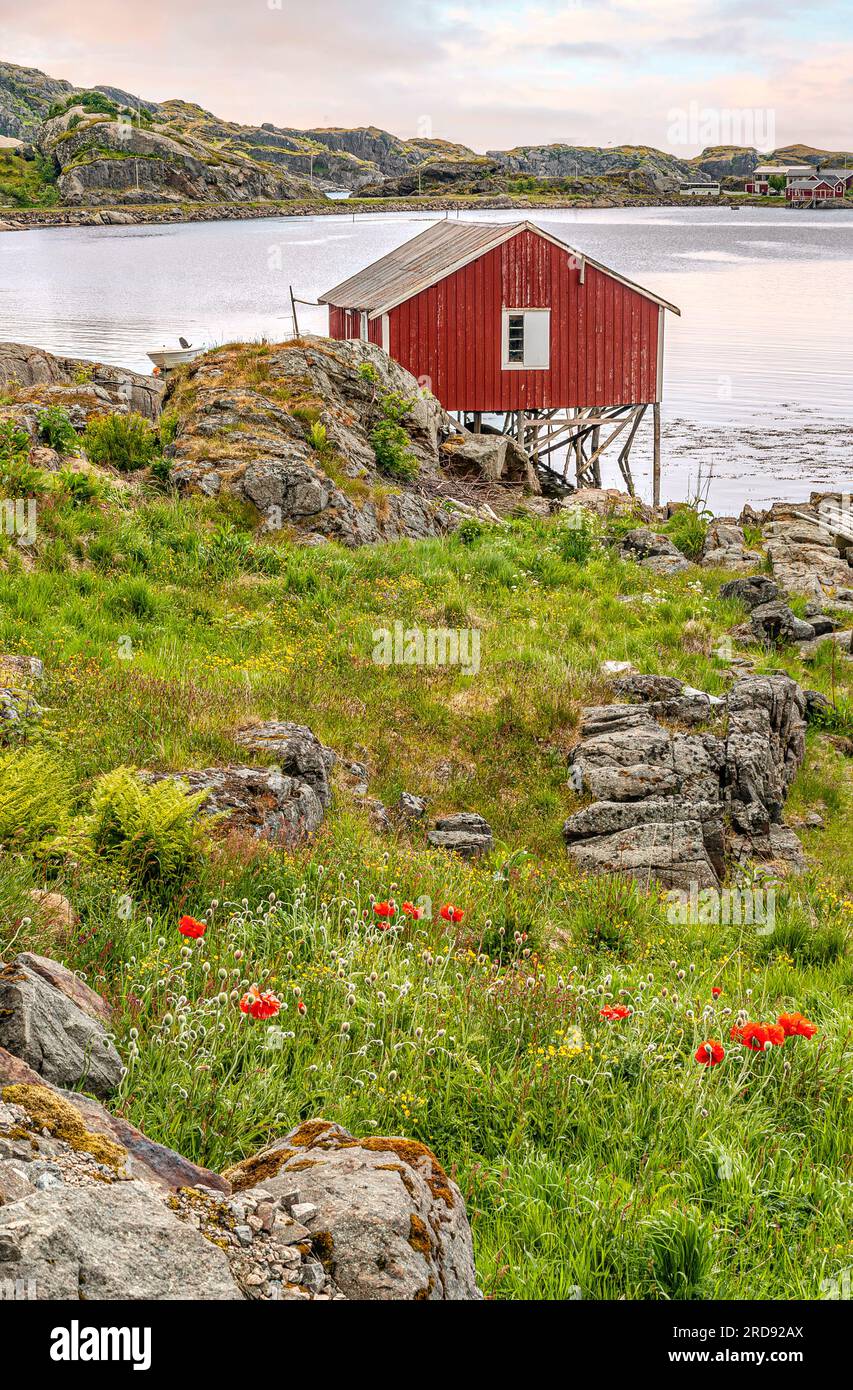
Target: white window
{"x": 526, "y": 339}
{"x": 362, "y": 327}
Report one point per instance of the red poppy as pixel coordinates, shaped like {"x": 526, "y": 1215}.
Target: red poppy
{"x": 795, "y": 1026}
{"x": 300, "y": 1006}
{"x": 710, "y": 1053}
{"x": 716, "y": 992}
{"x": 614, "y": 1011}
{"x": 385, "y": 909}
{"x": 190, "y": 926}
{"x": 756, "y": 1036}
{"x": 412, "y": 911}
{"x": 451, "y": 913}
{"x": 259, "y": 1005}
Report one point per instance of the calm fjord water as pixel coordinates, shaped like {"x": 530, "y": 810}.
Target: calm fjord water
{"x": 759, "y": 369}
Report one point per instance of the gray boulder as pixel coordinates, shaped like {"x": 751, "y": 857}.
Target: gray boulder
{"x": 107, "y": 1242}
{"x": 465, "y": 832}
{"x": 391, "y": 1222}
{"x": 724, "y": 547}
{"x": 411, "y": 807}
{"x": 775, "y": 622}
{"x": 54, "y": 1032}
{"x": 259, "y": 801}
{"x": 751, "y": 592}
{"x": 653, "y": 550}
{"x": 297, "y": 752}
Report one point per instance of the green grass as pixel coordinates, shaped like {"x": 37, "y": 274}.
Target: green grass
{"x": 27, "y": 183}
{"x": 593, "y": 1155}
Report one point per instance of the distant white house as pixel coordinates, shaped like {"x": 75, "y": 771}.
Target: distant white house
{"x": 759, "y": 181}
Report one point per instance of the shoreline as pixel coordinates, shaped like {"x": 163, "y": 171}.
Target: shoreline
{"x": 166, "y": 214}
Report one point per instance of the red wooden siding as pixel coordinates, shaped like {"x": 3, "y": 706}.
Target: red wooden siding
{"x": 346, "y": 323}
{"x": 604, "y": 335}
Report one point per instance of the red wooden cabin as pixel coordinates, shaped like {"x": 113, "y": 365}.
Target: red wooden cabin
{"x": 505, "y": 318}
{"x": 495, "y": 318}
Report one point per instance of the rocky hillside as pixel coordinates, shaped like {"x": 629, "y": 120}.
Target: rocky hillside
{"x": 728, "y": 161}
{"x": 104, "y": 146}
{"x": 664, "y": 171}
{"x": 335, "y": 440}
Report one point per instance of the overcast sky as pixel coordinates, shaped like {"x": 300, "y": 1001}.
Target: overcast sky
{"x": 676, "y": 74}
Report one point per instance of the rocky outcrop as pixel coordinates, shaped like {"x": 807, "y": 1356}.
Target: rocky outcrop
{"x": 56, "y": 1025}
{"x": 465, "y": 833}
{"x": 654, "y": 551}
{"x": 108, "y": 1242}
{"x": 665, "y": 172}
{"x": 673, "y": 806}
{"x": 288, "y": 429}
{"x": 35, "y": 378}
{"x": 105, "y": 157}
{"x": 389, "y": 1220}
{"x": 257, "y": 801}
{"x": 808, "y": 545}
{"x": 725, "y": 548}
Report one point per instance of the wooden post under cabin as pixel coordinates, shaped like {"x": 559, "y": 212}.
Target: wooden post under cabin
{"x": 656, "y": 461}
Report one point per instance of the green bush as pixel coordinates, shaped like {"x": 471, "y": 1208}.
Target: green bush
{"x": 167, "y": 429}
{"x": 577, "y": 539}
{"x": 56, "y": 429}
{"x": 150, "y": 833}
{"x": 687, "y": 528}
{"x": 79, "y": 488}
{"x": 393, "y": 454}
{"x": 125, "y": 442}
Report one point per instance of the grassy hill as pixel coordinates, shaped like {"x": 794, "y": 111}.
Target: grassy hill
{"x": 594, "y": 1154}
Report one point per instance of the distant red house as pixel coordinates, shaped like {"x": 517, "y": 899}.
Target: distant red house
{"x": 497, "y": 318}
{"x": 819, "y": 188}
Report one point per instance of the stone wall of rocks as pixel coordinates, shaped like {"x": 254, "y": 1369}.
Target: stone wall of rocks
{"x": 682, "y": 782}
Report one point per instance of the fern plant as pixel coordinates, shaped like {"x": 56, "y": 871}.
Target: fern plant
{"x": 150, "y": 832}
{"x": 35, "y": 797}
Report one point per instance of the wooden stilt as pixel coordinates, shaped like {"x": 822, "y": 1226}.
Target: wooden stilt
{"x": 656, "y": 461}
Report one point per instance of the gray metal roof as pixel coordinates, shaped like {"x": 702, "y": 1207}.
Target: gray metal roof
{"x": 435, "y": 253}
{"x": 813, "y": 180}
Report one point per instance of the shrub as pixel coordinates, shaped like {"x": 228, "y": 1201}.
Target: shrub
{"x": 34, "y": 796}
{"x": 393, "y": 454}
{"x": 125, "y": 442}
{"x": 151, "y": 833}
{"x": 687, "y": 529}
{"x": 167, "y": 429}
{"x": 80, "y": 488}
{"x": 56, "y": 429}
{"x": 576, "y": 541}
{"x": 14, "y": 442}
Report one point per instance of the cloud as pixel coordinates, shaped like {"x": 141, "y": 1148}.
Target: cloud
{"x": 489, "y": 74}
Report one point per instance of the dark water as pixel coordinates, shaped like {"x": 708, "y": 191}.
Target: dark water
{"x": 759, "y": 369}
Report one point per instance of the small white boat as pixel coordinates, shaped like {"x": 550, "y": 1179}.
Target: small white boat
{"x": 165, "y": 358}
